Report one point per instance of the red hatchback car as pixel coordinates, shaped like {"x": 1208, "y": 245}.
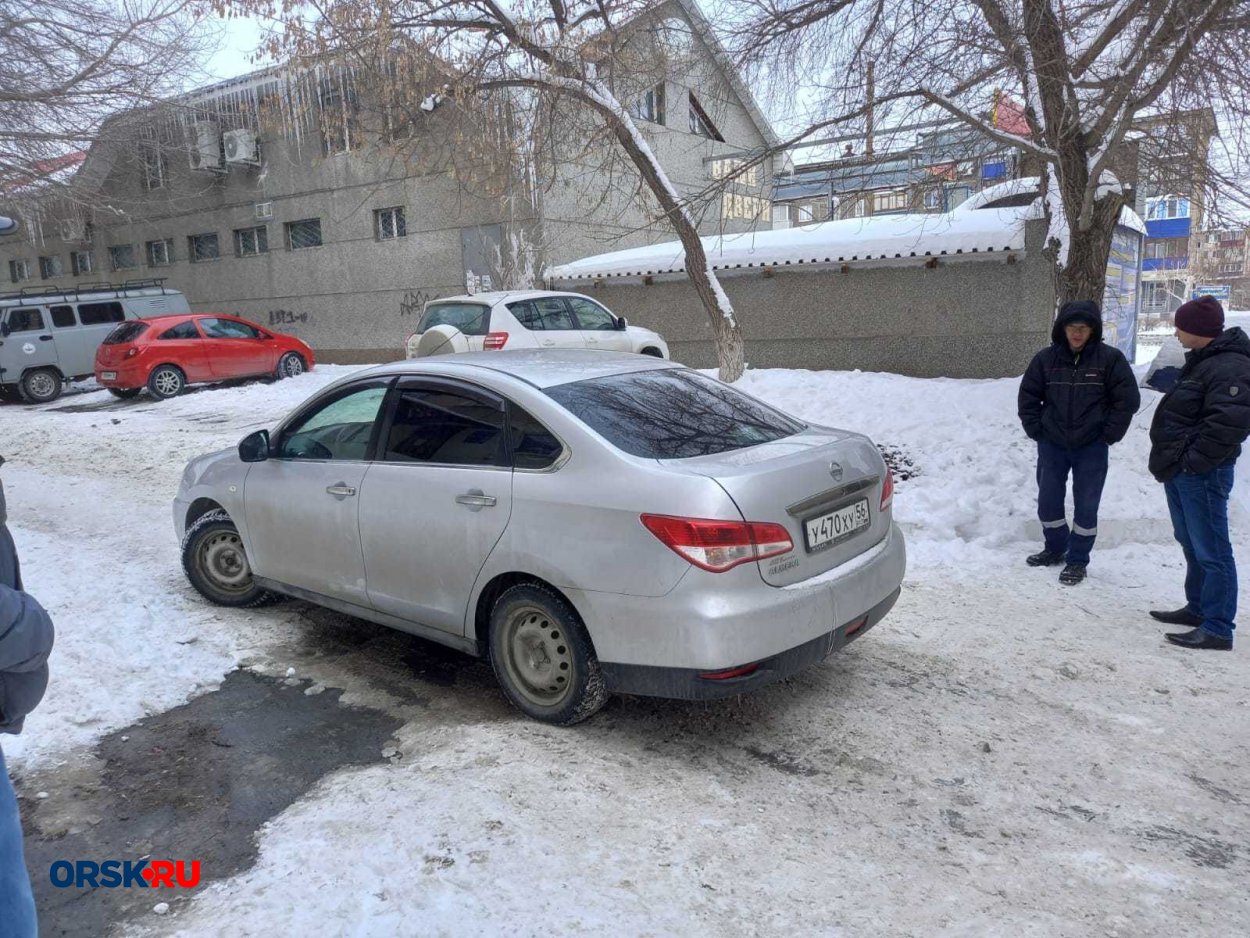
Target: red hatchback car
{"x": 166, "y": 353}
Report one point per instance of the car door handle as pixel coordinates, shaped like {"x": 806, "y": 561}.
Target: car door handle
{"x": 341, "y": 490}
{"x": 475, "y": 499}
{"x": 45, "y": 338}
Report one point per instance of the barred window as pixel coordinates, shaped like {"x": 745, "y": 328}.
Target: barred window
{"x": 248, "y": 242}
{"x": 82, "y": 262}
{"x": 389, "y": 223}
{"x": 50, "y": 267}
{"x": 203, "y": 247}
{"x": 160, "y": 253}
{"x": 122, "y": 257}
{"x": 303, "y": 234}
{"x": 19, "y": 270}
{"x": 155, "y": 167}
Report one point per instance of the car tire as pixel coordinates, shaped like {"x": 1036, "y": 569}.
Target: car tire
{"x": 41, "y": 385}
{"x": 290, "y": 365}
{"x": 125, "y": 393}
{"x": 653, "y": 352}
{"x": 217, "y": 566}
{"x": 543, "y": 657}
{"x": 166, "y": 381}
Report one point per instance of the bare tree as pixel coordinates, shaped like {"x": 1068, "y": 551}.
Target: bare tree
{"x": 573, "y": 62}
{"x": 66, "y": 65}
{"x": 1085, "y": 70}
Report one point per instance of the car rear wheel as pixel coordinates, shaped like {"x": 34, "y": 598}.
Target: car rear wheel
{"x": 166, "y": 381}
{"x": 290, "y": 365}
{"x": 653, "y": 352}
{"x": 41, "y": 385}
{"x": 543, "y": 657}
{"x": 217, "y": 565}
{"x": 125, "y": 393}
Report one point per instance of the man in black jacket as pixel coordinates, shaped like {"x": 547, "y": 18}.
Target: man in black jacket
{"x": 1195, "y": 439}
{"x": 1076, "y": 399}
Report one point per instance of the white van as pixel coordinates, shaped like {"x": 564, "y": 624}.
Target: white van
{"x": 48, "y": 337}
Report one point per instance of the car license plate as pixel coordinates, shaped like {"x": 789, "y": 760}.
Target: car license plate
{"x": 836, "y": 526}
{"x": 109, "y": 375}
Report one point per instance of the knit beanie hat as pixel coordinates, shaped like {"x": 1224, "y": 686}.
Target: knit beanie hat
{"x": 1203, "y": 316}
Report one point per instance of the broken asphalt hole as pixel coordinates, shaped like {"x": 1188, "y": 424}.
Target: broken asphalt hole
{"x": 193, "y": 783}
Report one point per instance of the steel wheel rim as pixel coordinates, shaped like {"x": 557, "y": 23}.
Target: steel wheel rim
{"x": 168, "y": 383}
{"x": 294, "y": 366}
{"x": 224, "y": 562}
{"x": 41, "y": 385}
{"x": 537, "y": 657}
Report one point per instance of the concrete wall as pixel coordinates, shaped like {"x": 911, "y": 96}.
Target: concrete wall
{"x": 962, "y": 319}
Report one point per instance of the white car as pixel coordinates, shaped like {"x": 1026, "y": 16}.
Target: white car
{"x": 526, "y": 319}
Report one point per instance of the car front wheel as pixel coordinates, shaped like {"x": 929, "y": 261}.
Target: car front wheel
{"x": 290, "y": 365}
{"x": 543, "y": 657}
{"x": 217, "y": 565}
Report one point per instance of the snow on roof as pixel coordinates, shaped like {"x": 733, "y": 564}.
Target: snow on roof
{"x": 1026, "y": 184}
{"x": 879, "y": 238}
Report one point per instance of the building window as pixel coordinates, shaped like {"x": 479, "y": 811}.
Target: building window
{"x": 122, "y": 257}
{"x": 338, "y": 117}
{"x": 747, "y": 207}
{"x": 650, "y": 106}
{"x": 1235, "y": 268}
{"x": 1174, "y": 247}
{"x": 890, "y": 201}
{"x": 805, "y": 213}
{"x": 723, "y": 169}
{"x": 781, "y": 216}
{"x": 83, "y": 262}
{"x": 50, "y": 267}
{"x": 160, "y": 253}
{"x": 933, "y": 200}
{"x": 248, "y": 242}
{"x": 1167, "y": 206}
{"x": 155, "y": 168}
{"x": 389, "y": 223}
{"x": 203, "y": 247}
{"x": 303, "y": 234}
{"x": 700, "y": 123}
{"x": 957, "y": 195}
{"x": 19, "y": 270}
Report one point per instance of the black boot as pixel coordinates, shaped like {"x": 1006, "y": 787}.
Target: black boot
{"x": 1181, "y": 616}
{"x": 1072, "y": 574}
{"x": 1200, "y": 639}
{"x": 1047, "y": 558}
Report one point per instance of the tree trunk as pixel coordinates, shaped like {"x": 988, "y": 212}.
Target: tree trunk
{"x": 1084, "y": 275}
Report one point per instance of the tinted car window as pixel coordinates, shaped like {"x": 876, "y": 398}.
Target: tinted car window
{"x": 63, "y": 316}
{"x": 228, "y": 329}
{"x": 184, "y": 330}
{"x": 126, "y": 332}
{"x": 25, "y": 320}
{"x": 672, "y": 414}
{"x": 96, "y": 314}
{"x": 443, "y": 426}
{"x": 592, "y": 315}
{"x": 526, "y": 314}
{"x": 533, "y": 445}
{"x": 469, "y": 318}
{"x": 339, "y": 429}
{"x": 554, "y": 313}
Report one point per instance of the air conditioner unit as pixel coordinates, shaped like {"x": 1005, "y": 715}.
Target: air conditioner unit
{"x": 204, "y": 147}
{"x": 263, "y": 209}
{"x": 241, "y": 147}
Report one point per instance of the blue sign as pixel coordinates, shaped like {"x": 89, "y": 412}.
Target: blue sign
{"x": 1220, "y": 291}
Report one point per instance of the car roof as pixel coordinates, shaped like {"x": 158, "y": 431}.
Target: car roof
{"x": 169, "y": 317}
{"x": 542, "y": 368}
{"x": 500, "y": 296}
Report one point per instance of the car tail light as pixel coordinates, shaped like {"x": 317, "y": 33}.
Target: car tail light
{"x": 730, "y": 673}
{"x": 495, "y": 341}
{"x": 717, "y": 546}
{"x": 887, "y": 490}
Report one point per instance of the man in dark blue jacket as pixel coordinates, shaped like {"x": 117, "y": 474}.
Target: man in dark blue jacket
{"x": 1076, "y": 399}
{"x": 25, "y": 641}
{"x": 1195, "y": 439}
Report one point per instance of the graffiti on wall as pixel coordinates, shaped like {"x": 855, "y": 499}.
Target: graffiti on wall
{"x": 413, "y": 302}
{"x": 286, "y": 317}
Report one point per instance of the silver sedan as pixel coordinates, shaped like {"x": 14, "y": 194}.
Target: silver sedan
{"x": 594, "y": 522}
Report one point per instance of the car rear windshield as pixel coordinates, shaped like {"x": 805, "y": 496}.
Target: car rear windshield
{"x": 672, "y": 414}
{"x": 469, "y": 318}
{"x": 126, "y": 332}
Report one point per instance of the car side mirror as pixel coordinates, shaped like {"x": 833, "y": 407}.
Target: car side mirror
{"x": 255, "y": 447}
{"x": 621, "y": 323}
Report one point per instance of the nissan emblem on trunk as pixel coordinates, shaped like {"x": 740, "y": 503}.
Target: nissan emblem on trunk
{"x": 835, "y": 470}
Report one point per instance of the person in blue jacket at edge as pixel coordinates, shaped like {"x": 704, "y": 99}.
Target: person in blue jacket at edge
{"x": 1077, "y": 398}
{"x": 25, "y": 640}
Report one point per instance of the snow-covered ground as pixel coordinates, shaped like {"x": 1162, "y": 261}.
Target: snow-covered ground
{"x": 1003, "y": 755}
